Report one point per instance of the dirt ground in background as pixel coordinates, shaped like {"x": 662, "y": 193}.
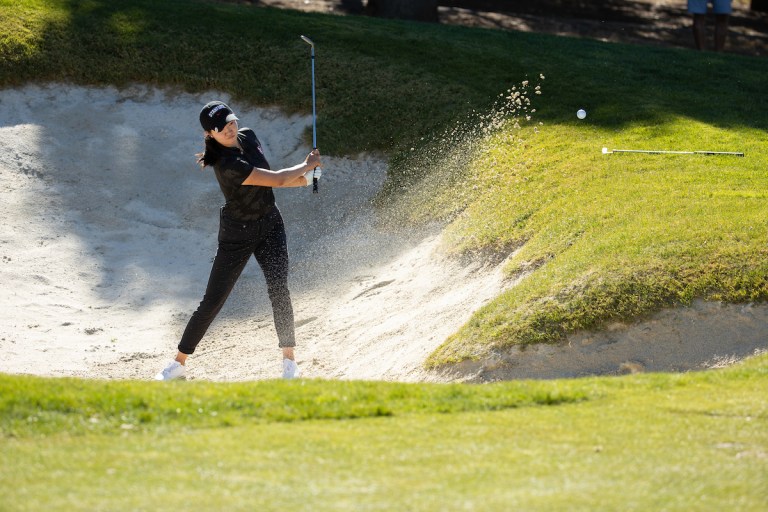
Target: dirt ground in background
{"x": 653, "y": 22}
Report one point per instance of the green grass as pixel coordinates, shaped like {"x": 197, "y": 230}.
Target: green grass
{"x": 46, "y": 406}
{"x": 598, "y": 237}
{"x": 611, "y": 237}
{"x": 696, "y": 441}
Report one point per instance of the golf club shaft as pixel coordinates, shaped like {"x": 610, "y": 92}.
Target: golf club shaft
{"x": 314, "y": 112}
{"x": 732, "y": 153}
{"x": 660, "y": 152}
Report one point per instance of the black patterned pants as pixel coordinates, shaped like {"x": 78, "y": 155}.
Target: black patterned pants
{"x": 265, "y": 240}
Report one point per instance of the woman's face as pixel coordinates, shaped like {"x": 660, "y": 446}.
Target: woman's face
{"x": 227, "y": 136}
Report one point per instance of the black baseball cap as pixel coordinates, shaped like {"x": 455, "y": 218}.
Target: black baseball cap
{"x": 215, "y": 116}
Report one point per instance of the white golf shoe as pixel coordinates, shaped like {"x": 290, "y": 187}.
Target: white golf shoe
{"x": 290, "y": 369}
{"x": 174, "y": 370}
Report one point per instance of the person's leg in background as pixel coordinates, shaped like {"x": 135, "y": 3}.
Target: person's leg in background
{"x": 698, "y": 10}
{"x": 722, "y": 10}
{"x": 700, "y": 31}
{"x": 721, "y": 31}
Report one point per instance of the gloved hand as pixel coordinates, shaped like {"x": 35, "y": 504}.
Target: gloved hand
{"x": 314, "y": 173}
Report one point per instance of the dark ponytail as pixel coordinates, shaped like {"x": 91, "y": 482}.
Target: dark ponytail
{"x": 212, "y": 152}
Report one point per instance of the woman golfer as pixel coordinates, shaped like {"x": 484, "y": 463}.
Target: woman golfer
{"x": 250, "y": 224}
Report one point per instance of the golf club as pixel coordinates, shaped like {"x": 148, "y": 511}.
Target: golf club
{"x": 607, "y": 151}
{"x": 314, "y": 114}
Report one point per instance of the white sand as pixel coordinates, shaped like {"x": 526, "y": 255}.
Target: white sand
{"x": 109, "y": 229}
{"x": 703, "y": 336}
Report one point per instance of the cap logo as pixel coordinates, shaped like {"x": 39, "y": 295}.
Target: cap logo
{"x": 215, "y": 109}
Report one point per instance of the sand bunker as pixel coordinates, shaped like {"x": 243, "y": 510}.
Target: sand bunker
{"x": 109, "y": 229}
{"x": 703, "y": 336}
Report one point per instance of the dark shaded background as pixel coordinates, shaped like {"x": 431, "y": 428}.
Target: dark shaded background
{"x": 655, "y": 22}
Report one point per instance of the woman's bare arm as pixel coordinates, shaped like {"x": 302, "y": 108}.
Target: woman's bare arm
{"x": 288, "y": 177}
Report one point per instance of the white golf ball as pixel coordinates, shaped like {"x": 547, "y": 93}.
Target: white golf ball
{"x": 581, "y": 113}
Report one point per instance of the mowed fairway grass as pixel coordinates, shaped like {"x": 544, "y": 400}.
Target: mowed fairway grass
{"x": 646, "y": 442}
{"x": 599, "y": 237}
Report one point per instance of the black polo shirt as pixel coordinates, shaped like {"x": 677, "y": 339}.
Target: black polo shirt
{"x": 243, "y": 202}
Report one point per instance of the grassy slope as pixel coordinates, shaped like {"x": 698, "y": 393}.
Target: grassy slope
{"x": 365, "y": 89}
{"x": 609, "y": 237}
{"x": 647, "y": 442}
{"x": 615, "y": 237}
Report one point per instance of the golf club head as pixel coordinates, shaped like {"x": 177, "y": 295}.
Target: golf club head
{"x": 308, "y": 41}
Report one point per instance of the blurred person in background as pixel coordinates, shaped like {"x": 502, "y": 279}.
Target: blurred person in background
{"x": 722, "y": 11}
